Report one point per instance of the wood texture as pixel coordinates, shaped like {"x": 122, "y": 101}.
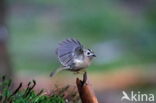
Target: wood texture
{"x": 85, "y": 90}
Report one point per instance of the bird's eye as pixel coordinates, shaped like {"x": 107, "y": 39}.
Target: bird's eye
{"x": 88, "y": 53}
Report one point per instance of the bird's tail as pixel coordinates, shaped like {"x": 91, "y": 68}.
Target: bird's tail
{"x": 52, "y": 74}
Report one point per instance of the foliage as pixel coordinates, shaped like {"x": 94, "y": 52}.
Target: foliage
{"x": 28, "y": 95}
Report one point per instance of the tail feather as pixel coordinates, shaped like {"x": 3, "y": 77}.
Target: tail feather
{"x": 52, "y": 74}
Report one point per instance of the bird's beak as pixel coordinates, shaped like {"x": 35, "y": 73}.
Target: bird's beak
{"x": 94, "y": 55}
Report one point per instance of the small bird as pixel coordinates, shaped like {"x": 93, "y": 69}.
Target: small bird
{"x": 73, "y": 56}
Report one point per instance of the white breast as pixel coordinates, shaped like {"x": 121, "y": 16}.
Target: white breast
{"x": 82, "y": 63}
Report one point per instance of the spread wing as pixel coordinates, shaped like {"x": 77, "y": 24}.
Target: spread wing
{"x": 67, "y": 49}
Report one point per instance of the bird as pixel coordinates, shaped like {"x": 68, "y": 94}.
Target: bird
{"x": 73, "y": 56}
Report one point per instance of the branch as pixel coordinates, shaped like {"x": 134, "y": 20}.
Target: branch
{"x": 85, "y": 91}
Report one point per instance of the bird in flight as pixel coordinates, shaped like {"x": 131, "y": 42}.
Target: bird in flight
{"x": 73, "y": 56}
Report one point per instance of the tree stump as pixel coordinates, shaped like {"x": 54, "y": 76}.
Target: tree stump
{"x": 86, "y": 93}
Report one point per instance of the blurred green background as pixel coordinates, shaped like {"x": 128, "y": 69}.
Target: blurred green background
{"x": 121, "y": 32}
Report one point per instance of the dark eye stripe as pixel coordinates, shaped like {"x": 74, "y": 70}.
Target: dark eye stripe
{"x": 89, "y": 49}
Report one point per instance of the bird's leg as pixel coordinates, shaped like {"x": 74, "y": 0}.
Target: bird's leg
{"x": 76, "y": 72}
{"x": 81, "y": 71}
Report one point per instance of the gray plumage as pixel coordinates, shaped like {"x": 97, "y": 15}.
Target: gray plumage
{"x": 73, "y": 56}
{"x": 67, "y": 50}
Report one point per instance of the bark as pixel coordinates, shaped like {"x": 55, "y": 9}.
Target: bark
{"x": 86, "y": 92}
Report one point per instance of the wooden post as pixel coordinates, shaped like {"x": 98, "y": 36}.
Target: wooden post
{"x": 85, "y": 91}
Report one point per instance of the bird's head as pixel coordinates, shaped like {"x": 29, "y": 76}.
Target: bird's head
{"x": 89, "y": 53}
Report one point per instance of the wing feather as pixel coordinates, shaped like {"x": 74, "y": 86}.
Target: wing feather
{"x": 67, "y": 49}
